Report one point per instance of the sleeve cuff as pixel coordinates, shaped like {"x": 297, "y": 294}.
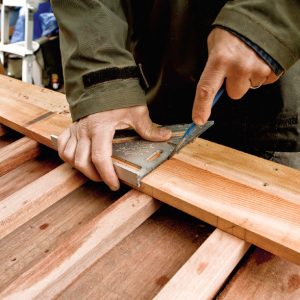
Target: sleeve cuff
{"x": 109, "y": 95}
{"x": 249, "y": 28}
{"x": 276, "y": 68}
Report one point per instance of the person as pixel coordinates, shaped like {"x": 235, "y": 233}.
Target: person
{"x": 131, "y": 63}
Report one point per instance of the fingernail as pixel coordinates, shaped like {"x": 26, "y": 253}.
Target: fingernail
{"x": 164, "y": 132}
{"x": 198, "y": 121}
{"x": 114, "y": 188}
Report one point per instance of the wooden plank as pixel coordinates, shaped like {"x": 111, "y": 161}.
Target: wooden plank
{"x": 32, "y": 94}
{"x": 41, "y": 131}
{"x": 263, "y": 276}
{"x": 267, "y": 221}
{"x": 140, "y": 265}
{"x": 265, "y": 212}
{"x": 34, "y": 169}
{"x": 17, "y": 153}
{"x": 49, "y": 277}
{"x": 33, "y": 241}
{"x": 35, "y": 197}
{"x": 206, "y": 271}
{"x": 261, "y": 174}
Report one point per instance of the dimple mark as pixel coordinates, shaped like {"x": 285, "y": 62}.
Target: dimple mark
{"x": 202, "y": 267}
{"x": 44, "y": 226}
{"x": 293, "y": 283}
{"x": 161, "y": 281}
{"x": 262, "y": 256}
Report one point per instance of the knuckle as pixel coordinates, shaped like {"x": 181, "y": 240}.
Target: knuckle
{"x": 79, "y": 163}
{"x": 66, "y": 156}
{"x": 265, "y": 70}
{"x": 244, "y": 68}
{"x": 148, "y": 131}
{"x": 204, "y": 92}
{"x": 221, "y": 59}
{"x": 98, "y": 158}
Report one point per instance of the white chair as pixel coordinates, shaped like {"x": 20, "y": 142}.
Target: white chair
{"x": 28, "y": 47}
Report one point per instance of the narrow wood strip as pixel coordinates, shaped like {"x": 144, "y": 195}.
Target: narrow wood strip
{"x": 54, "y": 273}
{"x": 35, "y": 197}
{"x": 267, "y": 221}
{"x": 261, "y": 174}
{"x": 16, "y": 153}
{"x": 205, "y": 272}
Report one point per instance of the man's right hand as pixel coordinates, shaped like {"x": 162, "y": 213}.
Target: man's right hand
{"x": 87, "y": 144}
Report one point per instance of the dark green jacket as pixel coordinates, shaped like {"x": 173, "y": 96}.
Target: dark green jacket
{"x": 168, "y": 37}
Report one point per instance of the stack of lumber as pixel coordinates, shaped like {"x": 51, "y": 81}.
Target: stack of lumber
{"x": 64, "y": 237}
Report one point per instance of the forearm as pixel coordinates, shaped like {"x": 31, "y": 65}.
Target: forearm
{"x": 93, "y": 37}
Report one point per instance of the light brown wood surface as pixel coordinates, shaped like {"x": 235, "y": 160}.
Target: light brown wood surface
{"x": 254, "y": 203}
{"x": 140, "y": 265}
{"x": 203, "y": 275}
{"x": 243, "y": 207}
{"x": 35, "y": 197}
{"x": 267, "y": 221}
{"x": 53, "y": 274}
{"x": 34, "y": 169}
{"x": 17, "y": 153}
{"x": 253, "y": 171}
{"x": 33, "y": 94}
{"x": 263, "y": 276}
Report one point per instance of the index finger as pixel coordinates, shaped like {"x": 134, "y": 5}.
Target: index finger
{"x": 209, "y": 84}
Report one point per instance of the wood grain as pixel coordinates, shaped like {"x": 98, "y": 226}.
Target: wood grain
{"x": 32, "y": 94}
{"x": 33, "y": 241}
{"x": 17, "y": 153}
{"x": 253, "y": 171}
{"x": 34, "y": 169}
{"x": 140, "y": 265}
{"x": 205, "y": 272}
{"x": 263, "y": 276}
{"x": 49, "y": 277}
{"x": 267, "y": 221}
{"x": 32, "y": 199}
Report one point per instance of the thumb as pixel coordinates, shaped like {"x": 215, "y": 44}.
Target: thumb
{"x": 149, "y": 131}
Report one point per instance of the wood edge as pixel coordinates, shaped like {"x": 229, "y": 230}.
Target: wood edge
{"x": 3, "y": 130}
{"x": 17, "y": 153}
{"x": 202, "y": 276}
{"x": 236, "y": 230}
{"x": 267, "y": 182}
{"x": 29, "y": 201}
{"x": 63, "y": 265}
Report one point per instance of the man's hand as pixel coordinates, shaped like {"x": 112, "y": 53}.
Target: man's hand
{"x": 231, "y": 59}
{"x": 87, "y": 144}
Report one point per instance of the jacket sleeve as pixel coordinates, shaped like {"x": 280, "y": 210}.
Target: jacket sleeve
{"x": 100, "y": 73}
{"x": 272, "y": 25}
